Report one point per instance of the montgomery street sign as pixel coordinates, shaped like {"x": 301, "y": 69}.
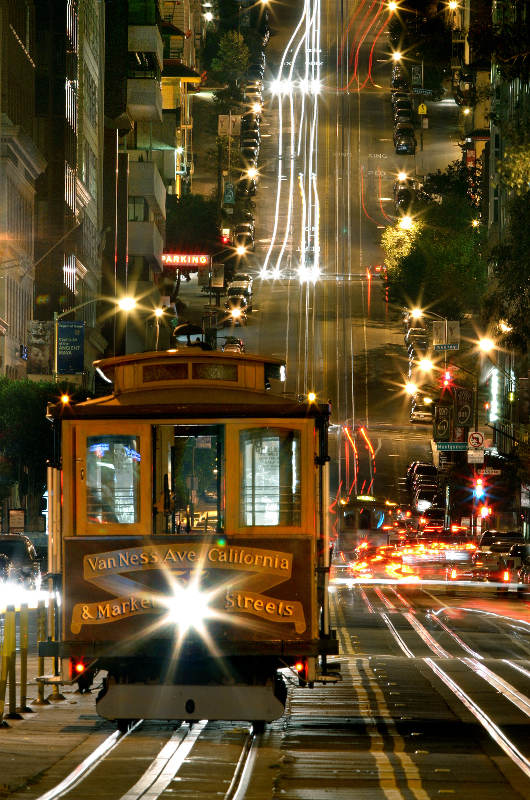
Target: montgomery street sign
{"x": 446, "y": 347}
{"x": 451, "y": 445}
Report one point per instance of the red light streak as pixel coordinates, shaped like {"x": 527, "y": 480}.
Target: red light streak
{"x": 367, "y": 440}
{"x": 362, "y": 199}
{"x": 361, "y": 40}
{"x": 345, "y": 34}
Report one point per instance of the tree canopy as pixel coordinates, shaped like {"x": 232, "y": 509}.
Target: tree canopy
{"x": 509, "y": 294}
{"x": 439, "y": 262}
{"x": 231, "y": 61}
{"x": 26, "y": 438}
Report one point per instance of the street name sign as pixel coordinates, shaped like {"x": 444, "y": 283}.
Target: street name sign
{"x": 451, "y": 446}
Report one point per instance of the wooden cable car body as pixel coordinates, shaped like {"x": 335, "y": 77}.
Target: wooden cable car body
{"x": 189, "y": 531}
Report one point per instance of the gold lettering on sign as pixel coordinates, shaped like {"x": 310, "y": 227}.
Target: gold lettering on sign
{"x": 118, "y": 572}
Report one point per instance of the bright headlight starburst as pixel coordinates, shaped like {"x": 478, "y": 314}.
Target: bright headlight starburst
{"x": 188, "y": 608}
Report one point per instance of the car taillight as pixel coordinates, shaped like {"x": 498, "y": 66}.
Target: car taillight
{"x": 453, "y": 574}
{"x": 506, "y": 576}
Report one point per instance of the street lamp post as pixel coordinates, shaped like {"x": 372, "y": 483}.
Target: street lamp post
{"x": 125, "y": 304}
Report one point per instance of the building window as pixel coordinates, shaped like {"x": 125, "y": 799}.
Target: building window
{"x": 90, "y": 97}
{"x": 71, "y": 23}
{"x": 69, "y": 271}
{"x": 138, "y": 209}
{"x": 71, "y": 103}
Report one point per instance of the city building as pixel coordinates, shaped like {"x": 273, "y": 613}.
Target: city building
{"x": 21, "y": 162}
{"x": 69, "y": 132}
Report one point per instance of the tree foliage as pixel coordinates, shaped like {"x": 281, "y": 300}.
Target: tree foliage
{"x": 514, "y": 169}
{"x": 440, "y": 263}
{"x": 26, "y": 437}
{"x": 231, "y": 61}
{"x": 509, "y": 294}
{"x": 507, "y": 44}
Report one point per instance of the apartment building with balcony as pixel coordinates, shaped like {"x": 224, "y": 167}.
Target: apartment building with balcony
{"x": 21, "y": 163}
{"x": 69, "y": 131}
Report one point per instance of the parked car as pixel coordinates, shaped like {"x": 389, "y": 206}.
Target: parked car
{"x": 402, "y": 106}
{"x": 398, "y": 95}
{"x": 242, "y": 276}
{"x": 23, "y": 565}
{"x": 487, "y": 564}
{"x": 415, "y": 333}
{"x": 244, "y": 239}
{"x": 402, "y": 130}
{"x": 423, "y": 498}
{"x": 404, "y": 200}
{"x": 405, "y": 145}
{"x": 517, "y": 555}
{"x": 245, "y": 188}
{"x": 420, "y": 468}
{"x": 492, "y": 535}
{"x": 398, "y": 81}
{"x": 237, "y": 288}
{"x": 250, "y": 158}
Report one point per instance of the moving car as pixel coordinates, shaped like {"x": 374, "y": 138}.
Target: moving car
{"x": 421, "y": 410}
{"x": 233, "y": 345}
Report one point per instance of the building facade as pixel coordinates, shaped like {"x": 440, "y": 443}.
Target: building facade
{"x": 21, "y": 162}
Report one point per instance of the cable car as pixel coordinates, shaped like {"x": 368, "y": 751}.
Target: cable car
{"x": 188, "y": 528}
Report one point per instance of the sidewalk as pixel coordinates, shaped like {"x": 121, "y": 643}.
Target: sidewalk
{"x": 441, "y": 139}
{"x": 41, "y": 740}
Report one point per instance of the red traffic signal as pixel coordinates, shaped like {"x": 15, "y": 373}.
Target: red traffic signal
{"x": 447, "y": 378}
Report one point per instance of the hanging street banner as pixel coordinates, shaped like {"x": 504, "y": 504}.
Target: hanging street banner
{"x": 463, "y": 407}
{"x": 70, "y": 348}
{"x": 446, "y": 334}
{"x": 442, "y": 423}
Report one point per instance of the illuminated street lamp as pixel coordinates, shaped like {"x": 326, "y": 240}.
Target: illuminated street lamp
{"x": 453, "y": 5}
{"x": 241, "y": 250}
{"x": 486, "y": 344}
{"x": 311, "y": 397}
{"x": 425, "y": 364}
{"x": 406, "y": 223}
{"x": 208, "y": 16}
{"x": 466, "y": 111}
{"x": 392, "y": 5}
{"x": 124, "y": 304}
{"x": 475, "y": 223}
{"x": 411, "y": 388}
{"x": 402, "y": 177}
{"x": 396, "y": 56}
{"x": 252, "y": 172}
{"x": 256, "y": 108}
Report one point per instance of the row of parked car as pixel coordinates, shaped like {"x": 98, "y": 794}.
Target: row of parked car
{"x": 422, "y": 485}
{"x": 417, "y": 343}
{"x": 402, "y": 112}
{"x": 250, "y": 137}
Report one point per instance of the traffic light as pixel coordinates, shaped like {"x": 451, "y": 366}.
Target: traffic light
{"x": 478, "y": 488}
{"x": 447, "y": 379}
{"x": 485, "y": 511}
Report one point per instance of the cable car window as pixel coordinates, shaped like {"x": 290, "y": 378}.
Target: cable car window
{"x": 189, "y": 479}
{"x": 270, "y": 477}
{"x": 113, "y": 478}
{"x": 214, "y": 372}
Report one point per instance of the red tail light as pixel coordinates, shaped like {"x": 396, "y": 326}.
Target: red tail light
{"x": 506, "y": 576}
{"x": 299, "y": 666}
{"x": 453, "y": 574}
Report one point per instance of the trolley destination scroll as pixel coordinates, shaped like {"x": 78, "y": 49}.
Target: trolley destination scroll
{"x": 259, "y": 570}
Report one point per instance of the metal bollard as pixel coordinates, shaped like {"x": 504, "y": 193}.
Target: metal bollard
{"x": 41, "y": 637}
{"x": 10, "y": 635}
{"x": 23, "y": 641}
{"x": 55, "y": 696}
{"x": 3, "y": 679}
